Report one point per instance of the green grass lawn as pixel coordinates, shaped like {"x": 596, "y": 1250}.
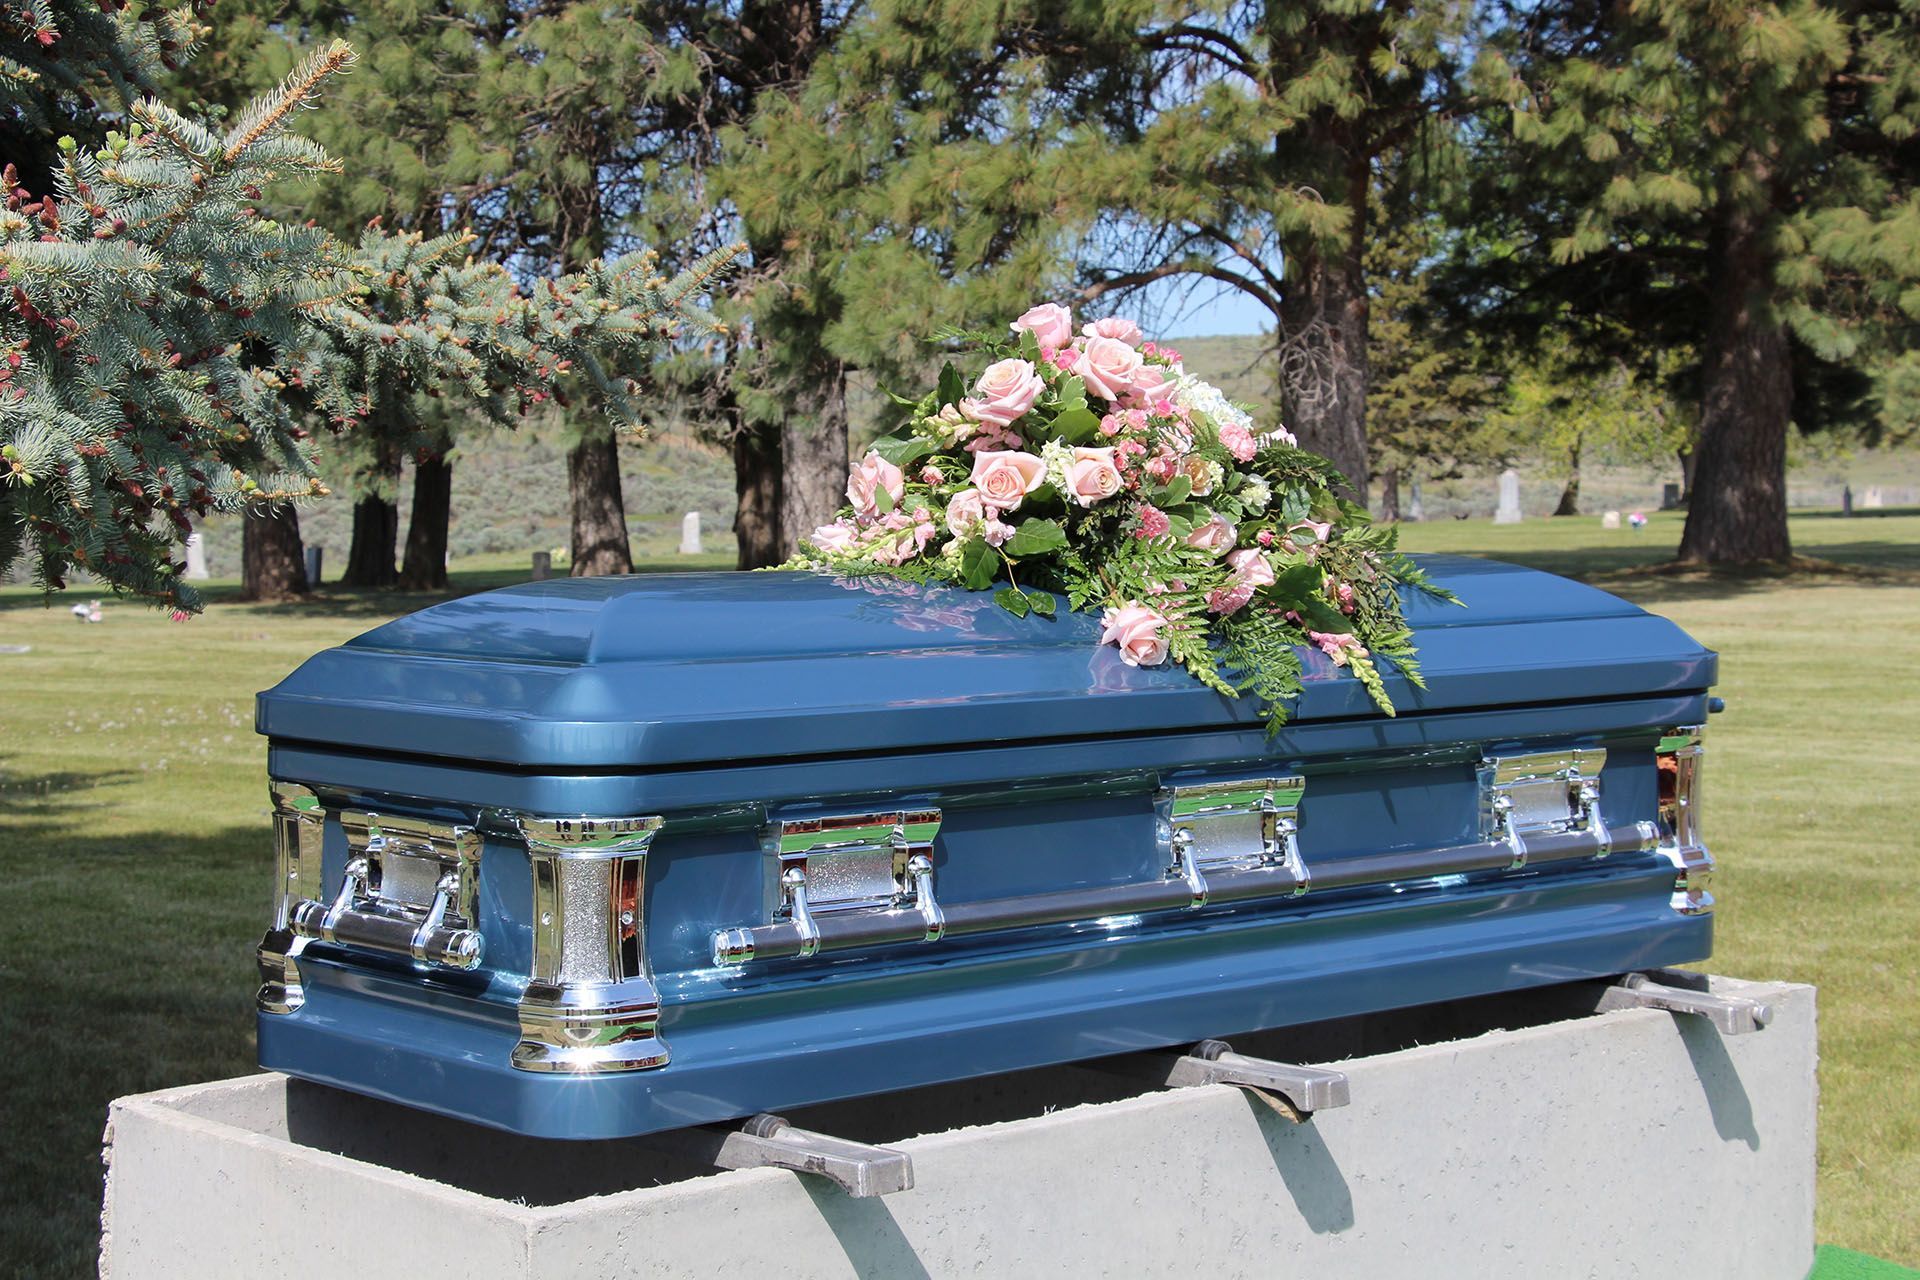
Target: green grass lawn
{"x": 133, "y": 842}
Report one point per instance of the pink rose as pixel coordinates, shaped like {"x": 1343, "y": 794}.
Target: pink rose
{"x": 1092, "y": 476}
{"x": 1215, "y": 537}
{"x": 1051, "y": 324}
{"x": 1006, "y": 390}
{"x": 874, "y": 473}
{"x": 1136, "y": 629}
{"x": 1147, "y": 381}
{"x": 837, "y": 536}
{"x": 1251, "y": 567}
{"x": 1005, "y": 476}
{"x": 1108, "y": 366}
{"x": 1113, "y": 327}
{"x": 1318, "y": 528}
{"x": 966, "y": 512}
{"x": 1199, "y": 473}
{"x": 1238, "y": 441}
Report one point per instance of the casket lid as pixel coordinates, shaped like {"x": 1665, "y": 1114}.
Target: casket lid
{"x": 671, "y": 669}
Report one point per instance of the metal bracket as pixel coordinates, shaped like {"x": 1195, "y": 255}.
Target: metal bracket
{"x": 1306, "y": 1089}
{"x": 770, "y": 1142}
{"x": 1733, "y": 1015}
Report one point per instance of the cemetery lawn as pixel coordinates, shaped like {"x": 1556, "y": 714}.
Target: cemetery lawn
{"x": 134, "y": 859}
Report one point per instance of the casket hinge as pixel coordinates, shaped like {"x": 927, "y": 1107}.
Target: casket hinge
{"x": 299, "y": 828}
{"x": 870, "y": 874}
{"x": 410, "y": 888}
{"x": 1545, "y": 803}
{"x": 1246, "y": 825}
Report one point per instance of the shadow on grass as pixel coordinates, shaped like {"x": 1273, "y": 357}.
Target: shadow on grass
{"x": 128, "y": 967}
{"x": 1650, "y": 576}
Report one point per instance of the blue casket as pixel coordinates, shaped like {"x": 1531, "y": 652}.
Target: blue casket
{"x": 600, "y": 857}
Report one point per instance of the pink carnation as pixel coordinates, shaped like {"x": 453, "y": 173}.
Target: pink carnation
{"x": 1231, "y": 598}
{"x": 1153, "y": 522}
{"x": 1238, "y": 441}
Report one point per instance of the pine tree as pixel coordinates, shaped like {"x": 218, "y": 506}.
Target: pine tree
{"x": 1746, "y": 174}
{"x": 168, "y": 346}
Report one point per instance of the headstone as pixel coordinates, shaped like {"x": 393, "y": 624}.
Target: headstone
{"x": 1846, "y": 500}
{"x": 1611, "y": 520}
{"x": 1416, "y": 510}
{"x": 1509, "y": 509}
{"x": 542, "y": 565}
{"x": 1670, "y": 497}
{"x": 690, "y": 534}
{"x": 1873, "y": 499}
{"x": 314, "y": 556}
{"x": 196, "y": 557}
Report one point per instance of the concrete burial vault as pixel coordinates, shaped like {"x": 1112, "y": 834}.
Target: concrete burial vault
{"x": 1524, "y": 1135}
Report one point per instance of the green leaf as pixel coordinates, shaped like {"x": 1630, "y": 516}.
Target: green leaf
{"x": 901, "y": 450}
{"x": 882, "y": 500}
{"x": 1010, "y": 599}
{"x": 1041, "y": 603}
{"x": 1077, "y": 426}
{"x": 979, "y": 565}
{"x": 1173, "y": 493}
{"x": 1070, "y": 392}
{"x": 1036, "y": 537}
{"x": 901, "y": 400}
{"x": 953, "y": 388}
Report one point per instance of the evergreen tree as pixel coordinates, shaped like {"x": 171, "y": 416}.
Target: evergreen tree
{"x": 1736, "y": 178}
{"x": 167, "y": 345}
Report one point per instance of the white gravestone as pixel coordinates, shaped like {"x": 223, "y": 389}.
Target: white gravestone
{"x": 1611, "y": 520}
{"x": 1873, "y": 498}
{"x": 196, "y": 557}
{"x": 1416, "y": 509}
{"x": 690, "y": 534}
{"x": 1509, "y": 511}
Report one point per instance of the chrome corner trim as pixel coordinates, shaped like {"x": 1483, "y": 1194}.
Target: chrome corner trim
{"x": 586, "y": 837}
{"x": 589, "y": 1030}
{"x": 590, "y": 1005}
{"x": 299, "y": 829}
{"x": 1679, "y": 756}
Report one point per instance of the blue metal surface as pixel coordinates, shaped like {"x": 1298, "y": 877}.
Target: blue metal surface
{"x": 667, "y": 669}
{"x": 722, "y": 701}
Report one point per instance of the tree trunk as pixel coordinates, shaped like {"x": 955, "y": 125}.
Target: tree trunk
{"x": 599, "y": 544}
{"x": 426, "y": 564}
{"x": 376, "y": 532}
{"x": 756, "y": 486}
{"x": 1688, "y": 457}
{"x": 813, "y": 447}
{"x": 1738, "y": 512}
{"x": 273, "y": 563}
{"x": 1389, "y": 512}
{"x": 1323, "y": 358}
{"x": 1570, "y": 496}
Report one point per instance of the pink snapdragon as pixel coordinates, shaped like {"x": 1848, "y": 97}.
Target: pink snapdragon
{"x": 872, "y": 474}
{"x": 1338, "y": 646}
{"x": 1136, "y": 628}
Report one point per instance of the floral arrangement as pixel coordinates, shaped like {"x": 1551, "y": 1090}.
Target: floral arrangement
{"x": 1092, "y": 464}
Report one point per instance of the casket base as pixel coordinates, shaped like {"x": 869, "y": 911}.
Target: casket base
{"x": 1507, "y": 1135}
